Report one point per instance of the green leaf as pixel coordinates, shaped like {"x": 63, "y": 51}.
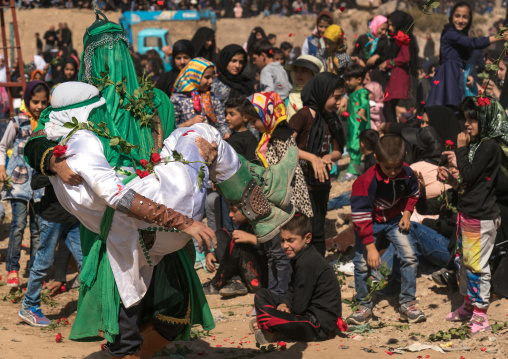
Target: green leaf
{"x": 347, "y": 302}
{"x": 114, "y": 141}
{"x": 434, "y": 5}
{"x": 69, "y": 125}
{"x": 494, "y": 67}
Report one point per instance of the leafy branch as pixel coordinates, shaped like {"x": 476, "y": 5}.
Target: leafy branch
{"x": 354, "y": 305}
{"x": 427, "y": 10}
{"x": 454, "y": 333}
{"x": 7, "y": 183}
{"x": 494, "y": 66}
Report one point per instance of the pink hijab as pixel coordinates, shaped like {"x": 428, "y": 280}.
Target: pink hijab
{"x": 376, "y": 22}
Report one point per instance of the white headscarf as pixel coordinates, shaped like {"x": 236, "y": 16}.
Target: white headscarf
{"x": 3, "y": 71}
{"x": 39, "y": 62}
{"x": 67, "y": 94}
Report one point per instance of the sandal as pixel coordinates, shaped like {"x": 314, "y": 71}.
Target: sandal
{"x": 12, "y": 280}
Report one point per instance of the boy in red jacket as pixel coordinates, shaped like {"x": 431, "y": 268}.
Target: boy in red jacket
{"x": 382, "y": 201}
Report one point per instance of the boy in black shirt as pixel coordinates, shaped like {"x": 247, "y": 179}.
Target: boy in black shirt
{"x": 241, "y": 139}
{"x": 311, "y": 308}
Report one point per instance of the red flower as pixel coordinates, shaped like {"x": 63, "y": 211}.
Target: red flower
{"x": 389, "y": 353}
{"x": 423, "y": 102}
{"x": 58, "y": 338}
{"x": 449, "y": 143}
{"x": 62, "y": 288}
{"x": 155, "y": 158}
{"x": 143, "y": 163}
{"x": 487, "y": 178}
{"x": 282, "y": 345}
{"x": 436, "y": 82}
{"x": 358, "y": 119}
{"x": 104, "y": 347}
{"x": 142, "y": 174}
{"x": 483, "y": 101}
{"x": 342, "y": 8}
{"x": 386, "y": 94}
{"x": 342, "y": 325}
{"x": 59, "y": 151}
{"x": 160, "y": 3}
{"x": 345, "y": 114}
{"x": 401, "y": 39}
{"x": 419, "y": 117}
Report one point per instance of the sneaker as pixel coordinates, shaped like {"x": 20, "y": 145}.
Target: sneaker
{"x": 346, "y": 268}
{"x": 410, "y": 313}
{"x": 445, "y": 277}
{"x": 234, "y": 288}
{"x": 464, "y": 312}
{"x": 210, "y": 289}
{"x": 34, "y": 317}
{"x": 479, "y": 323}
{"x": 13, "y": 281}
{"x": 264, "y": 337}
{"x": 347, "y": 177}
{"x": 362, "y": 316}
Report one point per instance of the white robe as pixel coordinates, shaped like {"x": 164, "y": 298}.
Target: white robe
{"x": 173, "y": 184}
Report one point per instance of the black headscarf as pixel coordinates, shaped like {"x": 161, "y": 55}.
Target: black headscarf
{"x": 240, "y": 84}
{"x": 73, "y": 62}
{"x": 167, "y": 79}
{"x": 252, "y": 37}
{"x": 445, "y": 122}
{"x": 402, "y": 20}
{"x": 199, "y": 39}
{"x": 314, "y": 95}
{"x": 430, "y": 146}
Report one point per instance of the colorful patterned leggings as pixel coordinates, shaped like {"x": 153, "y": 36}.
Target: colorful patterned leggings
{"x": 475, "y": 242}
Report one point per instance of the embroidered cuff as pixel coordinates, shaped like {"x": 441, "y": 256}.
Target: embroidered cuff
{"x": 125, "y": 203}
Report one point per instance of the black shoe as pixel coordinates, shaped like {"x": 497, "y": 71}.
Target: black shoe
{"x": 233, "y": 289}
{"x": 445, "y": 277}
{"x": 210, "y": 289}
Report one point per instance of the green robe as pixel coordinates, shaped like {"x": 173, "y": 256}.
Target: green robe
{"x": 357, "y": 100}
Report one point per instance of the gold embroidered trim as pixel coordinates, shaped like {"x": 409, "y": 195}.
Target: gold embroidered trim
{"x": 38, "y": 133}
{"x": 44, "y": 158}
{"x": 172, "y": 320}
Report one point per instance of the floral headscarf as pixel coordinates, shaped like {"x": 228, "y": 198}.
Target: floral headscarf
{"x": 493, "y": 124}
{"x": 188, "y": 82}
{"x": 272, "y": 112}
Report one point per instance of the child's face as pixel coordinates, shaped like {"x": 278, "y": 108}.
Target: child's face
{"x": 273, "y": 40}
{"x": 234, "y": 119}
{"x": 280, "y": 58}
{"x": 292, "y": 244}
{"x": 181, "y": 60}
{"x": 381, "y": 30}
{"x": 501, "y": 73}
{"x": 472, "y": 127}
{"x": 256, "y": 123}
{"x": 38, "y": 76}
{"x": 391, "y": 27}
{"x": 321, "y": 26}
{"x": 38, "y": 103}
{"x": 333, "y": 101}
{"x": 391, "y": 168}
{"x": 331, "y": 46}
{"x": 302, "y": 76}
{"x": 287, "y": 53}
{"x": 367, "y": 78}
{"x": 460, "y": 18}
{"x": 206, "y": 80}
{"x": 259, "y": 60}
{"x": 235, "y": 215}
{"x": 425, "y": 120}
{"x": 353, "y": 82}
{"x": 69, "y": 71}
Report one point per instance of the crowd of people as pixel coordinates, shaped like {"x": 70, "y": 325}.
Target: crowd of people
{"x": 251, "y": 134}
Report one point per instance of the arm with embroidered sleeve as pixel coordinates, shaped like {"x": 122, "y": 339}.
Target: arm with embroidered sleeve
{"x": 221, "y": 124}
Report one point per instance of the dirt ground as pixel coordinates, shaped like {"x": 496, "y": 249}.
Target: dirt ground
{"x": 232, "y": 338}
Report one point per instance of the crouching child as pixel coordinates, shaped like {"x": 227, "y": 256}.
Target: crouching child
{"x": 311, "y": 307}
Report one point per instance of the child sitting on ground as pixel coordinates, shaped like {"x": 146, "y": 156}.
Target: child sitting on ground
{"x": 377, "y": 200}
{"x": 368, "y": 143}
{"x": 272, "y": 77}
{"x": 311, "y": 307}
{"x": 478, "y": 158}
{"x": 242, "y": 140}
{"x": 243, "y": 266}
{"x": 358, "y": 108}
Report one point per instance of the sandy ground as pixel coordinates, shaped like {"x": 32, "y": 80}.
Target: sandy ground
{"x": 232, "y": 338}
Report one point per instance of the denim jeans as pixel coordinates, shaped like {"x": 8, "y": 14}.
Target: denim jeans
{"x": 51, "y": 234}
{"x": 408, "y": 261}
{"x": 18, "y": 225}
{"x": 430, "y": 246}
{"x": 279, "y": 267}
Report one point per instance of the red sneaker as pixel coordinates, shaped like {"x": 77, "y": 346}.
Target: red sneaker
{"x": 13, "y": 281}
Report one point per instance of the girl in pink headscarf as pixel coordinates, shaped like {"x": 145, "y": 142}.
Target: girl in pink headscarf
{"x": 376, "y": 104}
{"x": 371, "y": 49}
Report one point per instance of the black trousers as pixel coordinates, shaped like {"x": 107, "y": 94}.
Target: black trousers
{"x": 290, "y": 326}
{"x": 389, "y": 111}
{"x": 239, "y": 261}
{"x": 319, "y": 202}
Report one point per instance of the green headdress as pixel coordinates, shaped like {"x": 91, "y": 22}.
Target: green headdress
{"x": 492, "y": 124}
